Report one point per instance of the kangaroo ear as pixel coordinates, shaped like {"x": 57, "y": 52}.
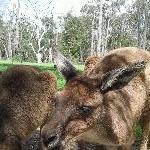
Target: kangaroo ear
{"x": 118, "y": 78}
{"x": 63, "y": 65}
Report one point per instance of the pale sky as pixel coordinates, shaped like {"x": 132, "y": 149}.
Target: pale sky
{"x": 61, "y": 7}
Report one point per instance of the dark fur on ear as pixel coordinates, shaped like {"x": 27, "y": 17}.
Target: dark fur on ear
{"x": 118, "y": 78}
{"x": 63, "y": 65}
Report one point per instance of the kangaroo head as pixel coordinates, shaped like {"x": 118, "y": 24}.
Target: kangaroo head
{"x": 80, "y": 106}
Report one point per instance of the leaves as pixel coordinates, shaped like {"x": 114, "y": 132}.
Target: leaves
{"x": 75, "y": 36}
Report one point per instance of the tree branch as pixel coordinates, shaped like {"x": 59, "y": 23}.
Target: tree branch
{"x": 42, "y": 35}
{"x": 32, "y": 48}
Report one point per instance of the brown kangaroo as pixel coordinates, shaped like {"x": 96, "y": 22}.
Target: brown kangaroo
{"x": 33, "y": 142}
{"x": 104, "y": 106}
{"x": 26, "y": 100}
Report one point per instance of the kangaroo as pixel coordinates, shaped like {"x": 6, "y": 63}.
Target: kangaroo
{"x": 103, "y": 106}
{"x": 90, "y": 62}
{"x": 33, "y": 142}
{"x": 26, "y": 100}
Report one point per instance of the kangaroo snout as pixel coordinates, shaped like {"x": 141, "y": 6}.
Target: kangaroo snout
{"x": 51, "y": 140}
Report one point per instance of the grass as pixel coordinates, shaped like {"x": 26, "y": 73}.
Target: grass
{"x": 138, "y": 133}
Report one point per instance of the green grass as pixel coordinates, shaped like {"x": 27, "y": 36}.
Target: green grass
{"x": 138, "y": 133}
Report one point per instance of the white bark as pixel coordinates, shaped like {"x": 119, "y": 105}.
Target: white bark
{"x": 138, "y": 28}
{"x": 39, "y": 57}
{"x": 56, "y": 39}
{"x": 145, "y": 25}
{"x": 32, "y": 48}
{"x": 37, "y": 54}
{"x": 81, "y": 55}
{"x": 107, "y": 34}
{"x": 39, "y": 38}
{"x": 9, "y": 42}
{"x": 13, "y": 35}
{"x": 92, "y": 39}
{"x": 99, "y": 44}
{"x": 6, "y": 51}
{"x": 50, "y": 54}
{"x": 0, "y": 55}
{"x": 16, "y": 40}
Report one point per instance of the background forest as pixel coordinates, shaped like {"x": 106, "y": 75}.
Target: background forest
{"x": 102, "y": 25}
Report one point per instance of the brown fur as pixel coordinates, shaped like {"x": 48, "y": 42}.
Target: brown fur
{"x": 90, "y": 62}
{"x": 113, "y": 114}
{"x": 26, "y": 95}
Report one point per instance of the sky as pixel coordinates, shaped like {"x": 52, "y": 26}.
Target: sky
{"x": 59, "y": 7}
{"x": 63, "y": 6}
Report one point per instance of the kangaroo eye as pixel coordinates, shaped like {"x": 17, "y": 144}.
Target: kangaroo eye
{"x": 85, "y": 110}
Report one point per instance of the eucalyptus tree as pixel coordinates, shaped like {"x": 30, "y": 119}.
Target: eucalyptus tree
{"x": 76, "y": 37}
{"x": 41, "y": 22}
{"x": 3, "y": 39}
{"x": 141, "y": 11}
{"x": 101, "y": 13}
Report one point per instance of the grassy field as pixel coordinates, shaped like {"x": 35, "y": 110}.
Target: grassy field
{"x": 44, "y": 66}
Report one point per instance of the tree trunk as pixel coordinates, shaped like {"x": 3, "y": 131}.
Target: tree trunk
{"x": 81, "y": 55}
{"x": 145, "y": 24}
{"x": 138, "y": 30}
{"x": 39, "y": 39}
{"x": 5, "y": 52}
{"x": 50, "y": 55}
{"x": 107, "y": 34}
{"x": 92, "y": 39}
{"x": 16, "y": 40}
{"x": 99, "y": 44}
{"x": 0, "y": 55}
{"x": 39, "y": 57}
{"x": 9, "y": 43}
{"x": 56, "y": 39}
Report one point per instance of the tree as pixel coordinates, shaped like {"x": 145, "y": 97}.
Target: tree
{"x": 26, "y": 32}
{"x": 41, "y": 25}
{"x": 3, "y": 39}
{"x": 101, "y": 12}
{"x": 13, "y": 28}
{"x": 141, "y": 14}
{"x": 75, "y": 37}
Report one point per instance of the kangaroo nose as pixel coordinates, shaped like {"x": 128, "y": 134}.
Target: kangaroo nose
{"x": 51, "y": 141}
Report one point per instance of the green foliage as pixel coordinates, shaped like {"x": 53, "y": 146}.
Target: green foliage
{"x": 121, "y": 35}
{"x": 49, "y": 35}
{"x": 75, "y": 36}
